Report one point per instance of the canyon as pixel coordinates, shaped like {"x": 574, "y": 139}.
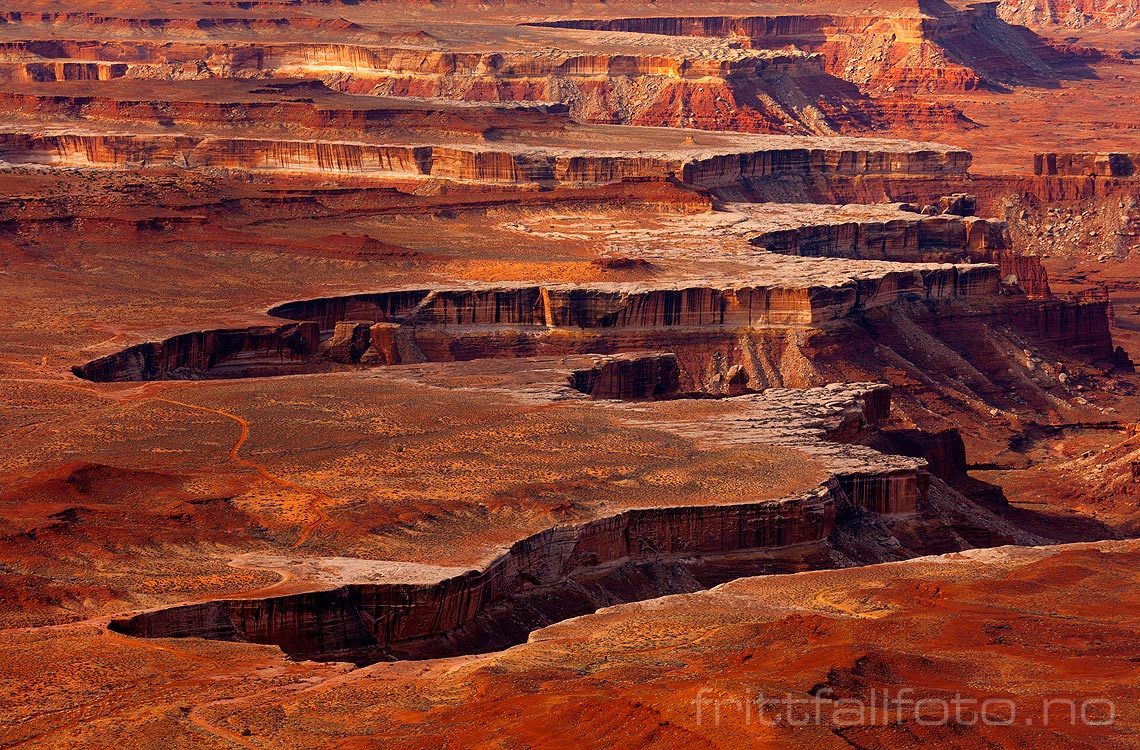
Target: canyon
{"x": 566, "y": 374}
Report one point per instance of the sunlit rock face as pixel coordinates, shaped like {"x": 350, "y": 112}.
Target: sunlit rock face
{"x": 408, "y": 374}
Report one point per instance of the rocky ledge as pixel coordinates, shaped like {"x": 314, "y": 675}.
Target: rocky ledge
{"x": 724, "y": 161}
{"x": 1086, "y": 164}
{"x": 399, "y": 327}
{"x": 569, "y": 570}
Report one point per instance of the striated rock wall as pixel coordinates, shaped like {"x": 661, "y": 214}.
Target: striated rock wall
{"x": 630, "y": 306}
{"x": 734, "y": 168}
{"x": 993, "y": 190}
{"x": 409, "y": 70}
{"x": 239, "y": 352}
{"x": 1087, "y": 164}
{"x": 1079, "y": 325}
{"x": 893, "y": 493}
{"x": 632, "y": 377}
{"x": 929, "y": 239}
{"x": 944, "y": 450}
{"x": 415, "y": 619}
{"x": 297, "y": 109}
{"x": 517, "y": 321}
{"x": 1024, "y": 272}
{"x": 738, "y": 90}
{"x": 70, "y": 70}
{"x": 482, "y": 164}
{"x": 943, "y": 50}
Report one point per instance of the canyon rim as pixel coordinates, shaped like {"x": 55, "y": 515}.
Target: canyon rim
{"x": 569, "y": 373}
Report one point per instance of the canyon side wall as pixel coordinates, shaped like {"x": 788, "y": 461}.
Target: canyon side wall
{"x": 482, "y": 164}
{"x": 634, "y": 377}
{"x": 565, "y": 571}
{"x": 1082, "y": 164}
{"x": 399, "y": 619}
{"x": 272, "y": 105}
{"x": 786, "y": 92}
{"x": 443, "y": 325}
{"x": 929, "y": 239}
{"x": 944, "y": 50}
{"x": 1082, "y": 326}
{"x": 238, "y": 352}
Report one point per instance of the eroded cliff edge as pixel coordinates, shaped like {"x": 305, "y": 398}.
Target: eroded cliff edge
{"x": 635, "y": 554}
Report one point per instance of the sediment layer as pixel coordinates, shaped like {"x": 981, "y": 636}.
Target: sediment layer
{"x": 1086, "y": 164}
{"x": 474, "y": 323}
{"x": 942, "y": 50}
{"x": 421, "y": 621}
{"x": 721, "y": 88}
{"x": 705, "y": 168}
{"x": 277, "y": 105}
{"x": 570, "y": 570}
{"x": 906, "y": 237}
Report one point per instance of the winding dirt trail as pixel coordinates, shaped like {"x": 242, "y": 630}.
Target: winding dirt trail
{"x": 141, "y": 394}
{"x": 319, "y": 516}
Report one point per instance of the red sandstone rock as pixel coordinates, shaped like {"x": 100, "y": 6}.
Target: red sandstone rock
{"x": 541, "y": 368}
{"x": 1082, "y": 164}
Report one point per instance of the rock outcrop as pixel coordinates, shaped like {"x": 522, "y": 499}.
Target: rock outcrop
{"x": 570, "y": 570}
{"x": 516, "y": 321}
{"x": 1087, "y": 164}
{"x": 766, "y": 156}
{"x": 634, "y": 377}
{"x": 942, "y": 50}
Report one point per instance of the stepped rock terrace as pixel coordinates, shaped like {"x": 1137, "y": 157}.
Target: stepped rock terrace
{"x": 572, "y": 569}
{"x": 701, "y": 160}
{"x": 344, "y": 333}
{"x": 393, "y": 327}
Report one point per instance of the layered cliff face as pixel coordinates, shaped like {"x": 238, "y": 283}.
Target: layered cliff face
{"x": 729, "y": 169}
{"x": 1072, "y": 14}
{"x": 251, "y": 352}
{"x": 68, "y": 70}
{"x": 702, "y": 325}
{"x": 694, "y": 166}
{"x": 1086, "y": 164}
{"x": 942, "y": 51}
{"x": 556, "y": 574}
{"x": 521, "y": 321}
{"x": 725, "y": 89}
{"x": 923, "y": 239}
{"x": 743, "y": 91}
{"x": 570, "y": 570}
{"x": 1081, "y": 326}
{"x": 274, "y": 107}
{"x": 637, "y": 377}
{"x": 940, "y": 238}
{"x": 640, "y": 553}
